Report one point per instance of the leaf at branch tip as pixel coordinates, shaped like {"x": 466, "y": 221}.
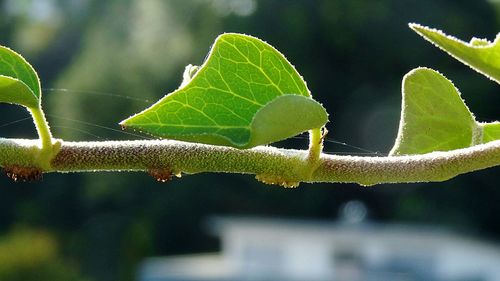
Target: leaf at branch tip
{"x": 245, "y": 94}
{"x": 434, "y": 117}
{"x": 480, "y": 54}
{"x": 491, "y": 131}
{"x": 19, "y": 82}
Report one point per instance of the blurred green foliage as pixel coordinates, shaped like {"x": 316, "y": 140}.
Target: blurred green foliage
{"x": 352, "y": 53}
{"x": 33, "y": 255}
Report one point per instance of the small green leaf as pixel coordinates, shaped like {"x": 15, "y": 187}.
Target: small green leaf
{"x": 434, "y": 117}
{"x": 491, "y": 131}
{"x": 19, "y": 82}
{"x": 245, "y": 94}
{"x": 480, "y": 54}
{"x": 271, "y": 123}
{"x": 15, "y": 91}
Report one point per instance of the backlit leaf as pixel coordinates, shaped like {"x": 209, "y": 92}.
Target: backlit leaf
{"x": 19, "y": 82}
{"x": 245, "y": 94}
{"x": 480, "y": 54}
{"x": 434, "y": 117}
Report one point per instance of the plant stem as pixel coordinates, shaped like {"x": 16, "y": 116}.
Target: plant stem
{"x": 42, "y": 127}
{"x": 315, "y": 149}
{"x": 315, "y": 144}
{"x": 195, "y": 158}
{"x": 46, "y": 151}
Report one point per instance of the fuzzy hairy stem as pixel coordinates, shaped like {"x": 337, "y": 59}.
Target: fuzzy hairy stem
{"x": 285, "y": 164}
{"x": 42, "y": 127}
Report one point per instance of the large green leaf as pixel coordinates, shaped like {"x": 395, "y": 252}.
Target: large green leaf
{"x": 434, "y": 117}
{"x": 480, "y": 54}
{"x": 19, "y": 82}
{"x": 245, "y": 94}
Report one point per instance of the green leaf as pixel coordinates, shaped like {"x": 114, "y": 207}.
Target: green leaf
{"x": 245, "y": 94}
{"x": 19, "y": 82}
{"x": 434, "y": 117}
{"x": 15, "y": 91}
{"x": 272, "y": 123}
{"x": 480, "y": 54}
{"x": 491, "y": 131}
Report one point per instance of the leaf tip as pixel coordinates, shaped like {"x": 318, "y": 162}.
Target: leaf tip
{"x": 428, "y": 33}
{"x": 419, "y": 28}
{"x": 414, "y": 25}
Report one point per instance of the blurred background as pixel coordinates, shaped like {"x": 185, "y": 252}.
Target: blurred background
{"x": 101, "y": 61}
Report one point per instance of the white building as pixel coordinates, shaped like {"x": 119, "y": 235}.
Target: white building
{"x": 279, "y": 249}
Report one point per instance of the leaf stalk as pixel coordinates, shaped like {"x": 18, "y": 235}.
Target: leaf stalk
{"x": 47, "y": 146}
